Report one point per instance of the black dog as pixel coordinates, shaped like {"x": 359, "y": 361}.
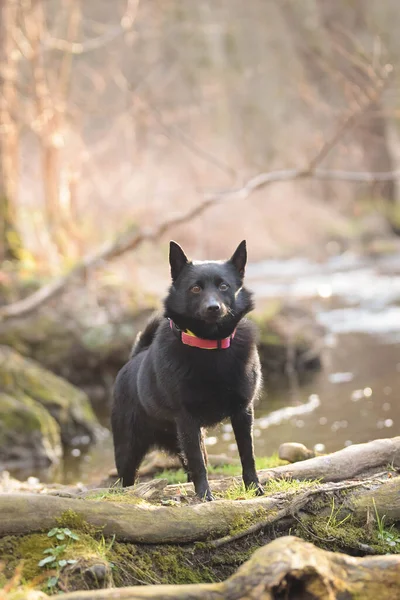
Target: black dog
{"x": 190, "y": 369}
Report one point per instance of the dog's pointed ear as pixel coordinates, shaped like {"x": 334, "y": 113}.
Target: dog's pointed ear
{"x": 239, "y": 258}
{"x": 177, "y": 259}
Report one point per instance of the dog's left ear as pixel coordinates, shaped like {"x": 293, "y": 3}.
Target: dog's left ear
{"x": 239, "y": 258}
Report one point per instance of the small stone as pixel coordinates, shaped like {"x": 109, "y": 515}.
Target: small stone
{"x": 97, "y": 572}
{"x": 294, "y": 452}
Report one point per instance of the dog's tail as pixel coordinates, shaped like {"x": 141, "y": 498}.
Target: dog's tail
{"x": 145, "y": 337}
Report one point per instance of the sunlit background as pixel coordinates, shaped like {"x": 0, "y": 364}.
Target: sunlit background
{"x": 125, "y": 124}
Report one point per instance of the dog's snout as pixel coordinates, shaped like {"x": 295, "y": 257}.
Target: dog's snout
{"x": 213, "y": 308}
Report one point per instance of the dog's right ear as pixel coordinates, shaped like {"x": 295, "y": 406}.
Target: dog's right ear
{"x": 239, "y": 258}
{"x": 177, "y": 259}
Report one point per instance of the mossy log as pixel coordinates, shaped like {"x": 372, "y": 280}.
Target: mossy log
{"x": 140, "y": 523}
{"x": 224, "y": 520}
{"x": 344, "y": 464}
{"x": 287, "y": 568}
{"x": 188, "y": 542}
{"x": 129, "y": 518}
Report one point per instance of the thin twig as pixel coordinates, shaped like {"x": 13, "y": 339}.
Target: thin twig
{"x": 126, "y": 23}
{"x": 175, "y": 132}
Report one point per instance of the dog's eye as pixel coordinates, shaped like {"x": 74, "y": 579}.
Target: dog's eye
{"x": 196, "y": 289}
{"x": 223, "y": 287}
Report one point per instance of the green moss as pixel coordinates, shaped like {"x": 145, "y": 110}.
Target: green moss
{"x": 242, "y": 523}
{"x": 157, "y": 565}
{"x": 225, "y": 470}
{"x": 173, "y": 476}
{"x": 272, "y": 486}
{"x": 232, "y": 556}
{"x": 173, "y": 565}
{"x": 20, "y": 413}
{"x": 343, "y": 538}
{"x": 25, "y": 426}
{"x": 10, "y": 561}
{"x": 21, "y": 378}
{"x": 74, "y": 521}
{"x": 340, "y": 531}
{"x": 262, "y": 462}
{"x": 176, "y": 476}
{"x": 269, "y": 462}
{"x": 115, "y": 495}
{"x": 287, "y": 485}
{"x": 26, "y": 551}
{"x": 237, "y": 492}
{"x": 131, "y": 564}
{"x": 29, "y": 550}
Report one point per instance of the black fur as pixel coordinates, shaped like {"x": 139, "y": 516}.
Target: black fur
{"x": 168, "y": 391}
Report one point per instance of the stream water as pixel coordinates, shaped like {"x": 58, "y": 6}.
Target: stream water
{"x": 355, "y": 398}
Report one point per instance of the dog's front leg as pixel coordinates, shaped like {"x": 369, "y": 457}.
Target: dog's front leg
{"x": 190, "y": 442}
{"x": 242, "y": 423}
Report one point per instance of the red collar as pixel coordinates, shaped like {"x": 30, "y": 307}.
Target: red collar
{"x": 189, "y": 339}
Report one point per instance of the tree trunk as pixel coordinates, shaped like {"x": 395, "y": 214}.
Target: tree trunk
{"x": 10, "y": 242}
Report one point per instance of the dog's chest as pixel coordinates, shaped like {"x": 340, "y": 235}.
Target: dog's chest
{"x": 211, "y": 384}
{"x": 215, "y": 396}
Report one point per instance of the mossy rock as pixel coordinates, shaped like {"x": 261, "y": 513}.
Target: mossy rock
{"x": 40, "y": 391}
{"x": 86, "y": 349}
{"x": 289, "y": 338}
{"x": 102, "y": 563}
{"x": 27, "y": 431}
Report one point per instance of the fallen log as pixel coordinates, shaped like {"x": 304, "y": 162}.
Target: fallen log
{"x": 142, "y": 523}
{"x": 129, "y": 519}
{"x": 288, "y": 568}
{"x": 342, "y": 465}
{"x": 223, "y": 520}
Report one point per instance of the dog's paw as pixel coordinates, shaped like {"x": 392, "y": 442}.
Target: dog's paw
{"x": 256, "y": 486}
{"x": 259, "y": 490}
{"x": 206, "y": 496}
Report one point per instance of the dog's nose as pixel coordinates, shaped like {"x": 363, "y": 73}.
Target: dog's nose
{"x": 213, "y": 308}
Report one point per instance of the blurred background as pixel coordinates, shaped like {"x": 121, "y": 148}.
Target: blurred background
{"x": 128, "y": 123}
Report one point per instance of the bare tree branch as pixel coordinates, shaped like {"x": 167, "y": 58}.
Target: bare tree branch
{"x": 100, "y": 41}
{"x": 175, "y": 132}
{"x": 133, "y": 237}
